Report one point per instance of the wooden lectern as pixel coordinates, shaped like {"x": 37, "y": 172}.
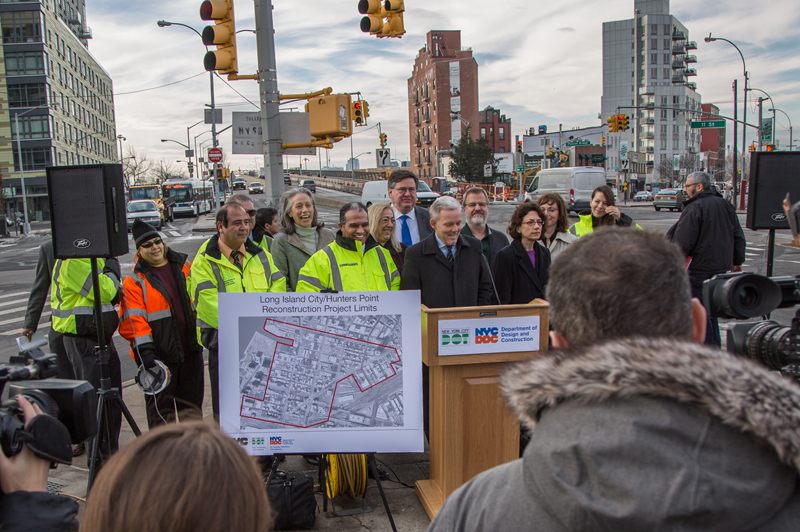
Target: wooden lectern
{"x": 471, "y": 427}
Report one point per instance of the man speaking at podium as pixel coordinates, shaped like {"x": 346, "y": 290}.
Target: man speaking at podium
{"x": 448, "y": 269}
{"x": 634, "y": 424}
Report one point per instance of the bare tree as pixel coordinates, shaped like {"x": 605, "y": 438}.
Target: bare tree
{"x": 671, "y": 177}
{"x": 136, "y": 167}
{"x": 163, "y": 170}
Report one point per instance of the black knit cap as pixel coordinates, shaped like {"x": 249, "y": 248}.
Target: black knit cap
{"x": 142, "y": 232}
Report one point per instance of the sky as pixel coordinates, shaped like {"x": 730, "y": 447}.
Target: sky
{"x": 538, "y": 62}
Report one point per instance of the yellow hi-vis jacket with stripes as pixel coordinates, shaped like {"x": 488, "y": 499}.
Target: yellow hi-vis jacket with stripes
{"x": 72, "y": 298}
{"x": 212, "y": 273}
{"x": 347, "y": 265}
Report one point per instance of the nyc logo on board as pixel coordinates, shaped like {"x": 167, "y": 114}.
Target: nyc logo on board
{"x": 486, "y": 335}
{"x": 458, "y": 336}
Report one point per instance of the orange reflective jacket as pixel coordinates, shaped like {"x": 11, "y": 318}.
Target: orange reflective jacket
{"x": 146, "y": 319}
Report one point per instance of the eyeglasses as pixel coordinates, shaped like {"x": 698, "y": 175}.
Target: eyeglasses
{"x": 151, "y": 243}
{"x": 406, "y": 190}
{"x": 533, "y": 222}
{"x": 687, "y": 185}
{"x": 473, "y": 205}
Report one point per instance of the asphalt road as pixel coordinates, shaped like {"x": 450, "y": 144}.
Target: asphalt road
{"x": 18, "y": 262}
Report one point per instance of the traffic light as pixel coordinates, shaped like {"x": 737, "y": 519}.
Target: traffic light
{"x": 622, "y": 125}
{"x": 383, "y": 140}
{"x": 365, "y": 109}
{"x": 222, "y": 35}
{"x": 330, "y": 116}
{"x": 519, "y": 146}
{"x": 358, "y": 113}
{"x": 613, "y": 123}
{"x": 549, "y": 151}
{"x": 375, "y": 13}
{"x": 602, "y": 140}
{"x": 752, "y": 148}
{"x": 769, "y": 147}
{"x": 393, "y": 27}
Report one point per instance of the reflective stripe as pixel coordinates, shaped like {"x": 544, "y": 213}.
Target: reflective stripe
{"x": 139, "y": 340}
{"x": 80, "y": 311}
{"x": 205, "y": 285}
{"x": 265, "y": 262}
{"x": 133, "y": 312}
{"x": 395, "y": 275}
{"x": 276, "y": 276}
{"x": 58, "y": 285}
{"x": 336, "y": 275}
{"x": 158, "y": 315}
{"x": 203, "y": 325}
{"x": 141, "y": 282}
{"x": 310, "y": 280}
{"x": 385, "y": 267}
{"x": 87, "y": 286}
{"x": 218, "y": 275}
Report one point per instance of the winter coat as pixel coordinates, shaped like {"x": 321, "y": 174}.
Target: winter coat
{"x": 642, "y": 435}
{"x": 516, "y": 280}
{"x": 560, "y": 242}
{"x": 290, "y": 254}
{"x": 709, "y": 232}
{"x": 587, "y": 222}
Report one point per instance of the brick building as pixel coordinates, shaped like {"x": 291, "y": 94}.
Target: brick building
{"x": 712, "y": 143}
{"x": 495, "y": 130}
{"x": 442, "y": 100}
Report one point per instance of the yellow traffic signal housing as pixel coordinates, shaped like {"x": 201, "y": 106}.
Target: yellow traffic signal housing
{"x": 549, "y": 151}
{"x": 222, "y": 35}
{"x": 752, "y": 148}
{"x": 613, "y": 124}
{"x": 365, "y": 109}
{"x": 358, "y": 113}
{"x": 330, "y": 116}
{"x": 393, "y": 27}
{"x": 375, "y": 13}
{"x": 383, "y": 140}
{"x": 602, "y": 140}
{"x": 769, "y": 147}
{"x": 623, "y": 123}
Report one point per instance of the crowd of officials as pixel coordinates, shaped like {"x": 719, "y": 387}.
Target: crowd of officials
{"x": 168, "y": 304}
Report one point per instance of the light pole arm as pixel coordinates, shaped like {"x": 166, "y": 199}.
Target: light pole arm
{"x": 176, "y": 142}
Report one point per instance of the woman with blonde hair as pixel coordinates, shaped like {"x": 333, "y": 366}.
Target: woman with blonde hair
{"x": 381, "y": 227}
{"x": 179, "y": 478}
{"x": 302, "y": 234}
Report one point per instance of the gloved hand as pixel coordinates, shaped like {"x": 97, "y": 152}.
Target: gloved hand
{"x": 147, "y": 354}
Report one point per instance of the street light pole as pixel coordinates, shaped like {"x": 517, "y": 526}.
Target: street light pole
{"x": 790, "y": 124}
{"x": 188, "y": 141}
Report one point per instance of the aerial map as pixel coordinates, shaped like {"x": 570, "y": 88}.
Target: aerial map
{"x": 321, "y": 371}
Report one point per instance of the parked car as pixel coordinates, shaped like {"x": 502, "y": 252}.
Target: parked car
{"x": 378, "y": 191}
{"x": 309, "y": 184}
{"x": 574, "y": 184}
{"x": 239, "y": 184}
{"x": 287, "y": 180}
{"x": 255, "y": 188}
{"x": 643, "y": 196}
{"x": 145, "y": 210}
{"x": 670, "y": 198}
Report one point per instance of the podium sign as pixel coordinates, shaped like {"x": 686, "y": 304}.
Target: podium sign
{"x": 489, "y": 335}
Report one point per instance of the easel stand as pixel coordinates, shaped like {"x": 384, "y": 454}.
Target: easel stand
{"x": 471, "y": 427}
{"x": 323, "y": 482}
{"x": 107, "y": 396}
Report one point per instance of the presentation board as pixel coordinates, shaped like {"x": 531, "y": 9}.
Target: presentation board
{"x": 321, "y": 373}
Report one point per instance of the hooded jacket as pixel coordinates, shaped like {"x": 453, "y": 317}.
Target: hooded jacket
{"x": 642, "y": 435}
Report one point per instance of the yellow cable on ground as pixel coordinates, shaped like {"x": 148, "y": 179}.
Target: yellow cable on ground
{"x": 347, "y": 475}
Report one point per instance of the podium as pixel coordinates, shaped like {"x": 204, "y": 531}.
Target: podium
{"x": 471, "y": 428}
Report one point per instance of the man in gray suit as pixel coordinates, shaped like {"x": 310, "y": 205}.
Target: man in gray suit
{"x": 412, "y": 223}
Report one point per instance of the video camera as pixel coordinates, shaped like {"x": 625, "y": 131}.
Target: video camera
{"x": 748, "y": 295}
{"x": 72, "y": 402}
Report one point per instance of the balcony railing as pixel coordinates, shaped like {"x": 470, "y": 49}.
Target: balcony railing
{"x": 678, "y": 49}
{"x": 417, "y": 141}
{"x": 678, "y": 77}
{"x": 426, "y": 96}
{"x": 649, "y": 121}
{"x": 691, "y": 72}
{"x": 691, "y": 45}
{"x": 678, "y": 62}
{"x": 427, "y": 118}
{"x": 678, "y": 36}
{"x": 692, "y": 85}
{"x": 690, "y": 59}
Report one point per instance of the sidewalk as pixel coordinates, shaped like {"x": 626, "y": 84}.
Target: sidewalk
{"x": 406, "y": 509}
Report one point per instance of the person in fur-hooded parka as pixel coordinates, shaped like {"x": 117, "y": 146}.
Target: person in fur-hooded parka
{"x": 642, "y": 435}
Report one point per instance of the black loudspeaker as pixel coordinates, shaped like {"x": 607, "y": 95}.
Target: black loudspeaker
{"x": 87, "y": 211}
{"x": 772, "y": 175}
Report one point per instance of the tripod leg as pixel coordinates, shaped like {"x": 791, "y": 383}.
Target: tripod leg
{"x": 94, "y": 455}
{"x": 128, "y": 417}
{"x": 371, "y": 460}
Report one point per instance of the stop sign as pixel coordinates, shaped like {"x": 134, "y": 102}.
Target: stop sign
{"x": 215, "y": 155}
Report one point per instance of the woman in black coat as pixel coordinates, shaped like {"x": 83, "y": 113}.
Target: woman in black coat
{"x": 520, "y": 269}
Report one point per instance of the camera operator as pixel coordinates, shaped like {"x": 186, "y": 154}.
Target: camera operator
{"x": 25, "y": 505}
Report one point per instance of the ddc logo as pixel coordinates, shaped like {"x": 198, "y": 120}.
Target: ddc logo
{"x": 486, "y": 335}
{"x": 275, "y": 440}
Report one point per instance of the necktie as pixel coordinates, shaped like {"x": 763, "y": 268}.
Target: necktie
{"x": 450, "y": 256}
{"x": 235, "y": 256}
{"x": 405, "y": 232}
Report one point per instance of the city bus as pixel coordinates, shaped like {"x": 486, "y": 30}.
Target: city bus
{"x": 152, "y": 192}
{"x": 192, "y": 196}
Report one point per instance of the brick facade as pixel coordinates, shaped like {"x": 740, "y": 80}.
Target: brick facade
{"x": 495, "y": 129}
{"x": 712, "y": 142}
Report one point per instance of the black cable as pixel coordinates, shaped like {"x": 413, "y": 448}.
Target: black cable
{"x": 384, "y": 464}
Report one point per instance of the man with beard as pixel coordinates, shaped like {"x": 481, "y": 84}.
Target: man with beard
{"x": 476, "y": 208}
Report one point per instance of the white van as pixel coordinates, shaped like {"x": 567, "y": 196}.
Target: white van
{"x": 378, "y": 191}
{"x": 574, "y": 184}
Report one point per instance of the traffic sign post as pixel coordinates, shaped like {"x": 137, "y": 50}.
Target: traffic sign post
{"x": 215, "y": 155}
{"x": 708, "y": 124}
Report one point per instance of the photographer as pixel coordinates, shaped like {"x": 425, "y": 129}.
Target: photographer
{"x": 25, "y": 505}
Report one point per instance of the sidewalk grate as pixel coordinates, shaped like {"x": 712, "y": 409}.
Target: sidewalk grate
{"x": 55, "y": 487}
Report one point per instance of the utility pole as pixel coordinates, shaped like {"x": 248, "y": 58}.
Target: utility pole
{"x": 735, "y": 178}
{"x": 760, "y": 122}
{"x": 214, "y": 181}
{"x": 270, "y": 109}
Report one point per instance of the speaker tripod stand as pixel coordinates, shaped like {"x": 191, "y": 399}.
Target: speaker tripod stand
{"x": 108, "y": 397}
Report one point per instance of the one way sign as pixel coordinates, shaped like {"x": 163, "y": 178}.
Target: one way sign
{"x": 383, "y": 157}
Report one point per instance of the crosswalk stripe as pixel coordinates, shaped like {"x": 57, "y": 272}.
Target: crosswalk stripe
{"x": 13, "y": 294}
{"x": 14, "y": 302}
{"x": 13, "y": 310}
{"x": 173, "y": 233}
{"x": 15, "y": 332}
{"x": 754, "y": 254}
{"x": 20, "y": 319}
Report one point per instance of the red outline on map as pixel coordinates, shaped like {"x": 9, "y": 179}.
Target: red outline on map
{"x": 289, "y": 342}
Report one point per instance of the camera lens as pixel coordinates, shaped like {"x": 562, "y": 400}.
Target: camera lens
{"x": 769, "y": 344}
{"x": 747, "y": 296}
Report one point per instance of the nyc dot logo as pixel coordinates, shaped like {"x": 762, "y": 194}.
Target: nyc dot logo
{"x": 275, "y": 440}
{"x": 486, "y": 335}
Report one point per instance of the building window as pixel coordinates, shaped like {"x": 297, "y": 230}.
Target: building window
{"x": 654, "y": 29}
{"x": 31, "y": 127}
{"x": 675, "y": 144}
{"x": 501, "y": 133}
{"x": 654, "y": 58}
{"x": 663, "y": 114}
{"x": 666, "y": 58}
{"x": 666, "y": 73}
{"x": 667, "y": 44}
{"x": 491, "y": 132}
{"x": 663, "y": 144}
{"x": 676, "y": 100}
{"x": 483, "y": 132}
{"x": 28, "y": 95}
{"x": 653, "y": 73}
{"x": 32, "y": 158}
{"x": 666, "y": 29}
{"x": 663, "y": 100}
{"x": 24, "y": 63}
{"x": 21, "y": 26}
{"x": 653, "y": 44}
{"x": 663, "y": 129}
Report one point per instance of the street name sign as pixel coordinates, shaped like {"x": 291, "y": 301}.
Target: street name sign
{"x": 578, "y": 143}
{"x": 708, "y": 124}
